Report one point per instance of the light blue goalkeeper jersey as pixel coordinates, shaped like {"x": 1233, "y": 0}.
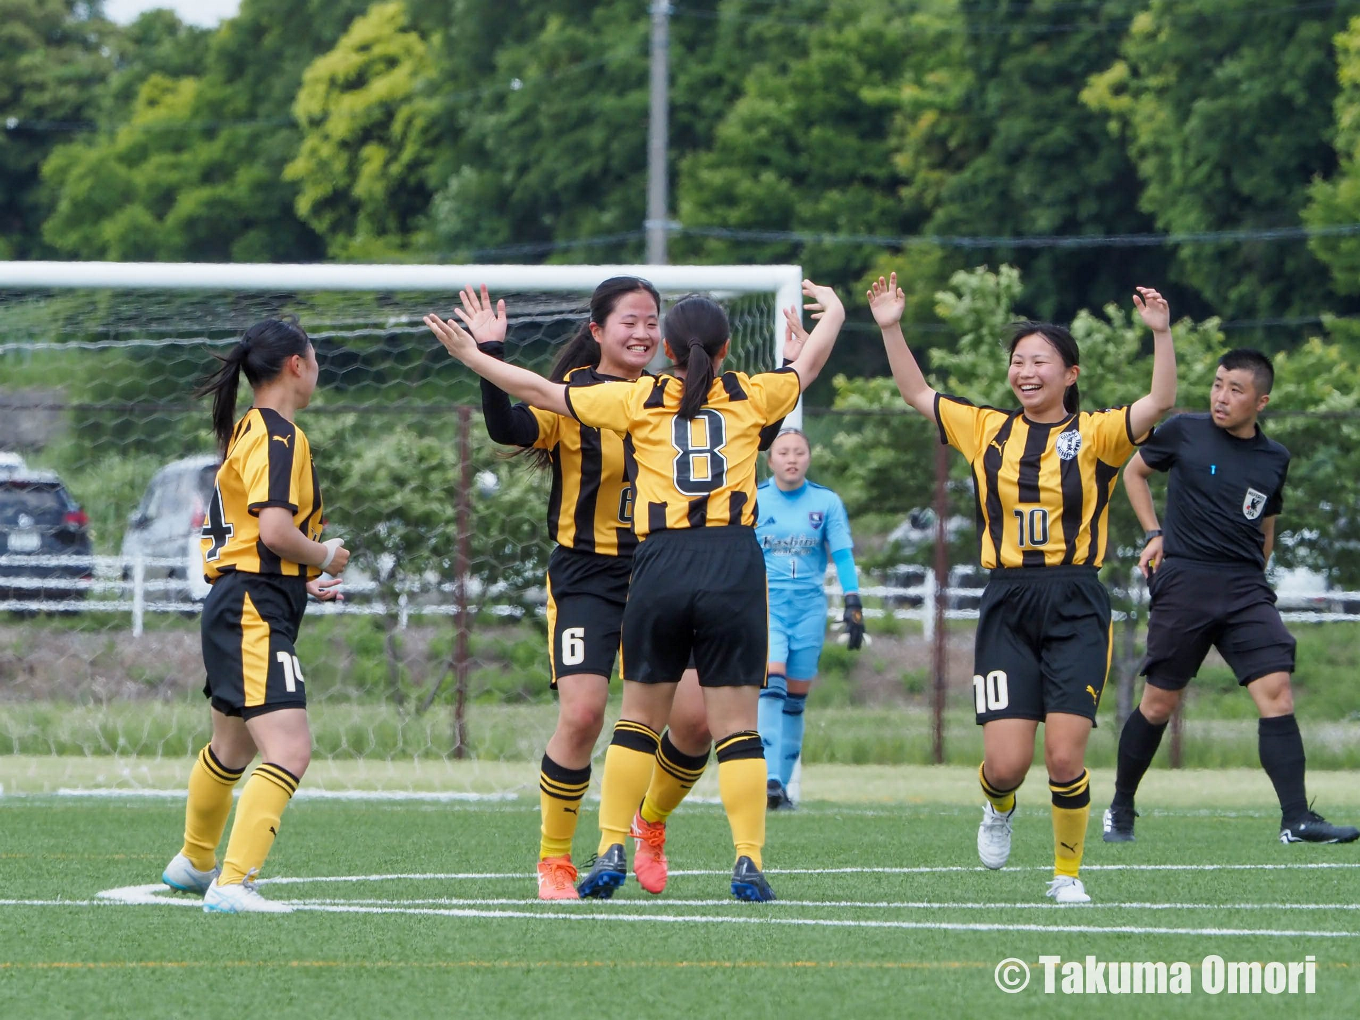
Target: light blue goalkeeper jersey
{"x": 798, "y": 531}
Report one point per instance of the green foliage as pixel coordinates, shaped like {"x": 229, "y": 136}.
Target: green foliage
{"x": 1336, "y": 201}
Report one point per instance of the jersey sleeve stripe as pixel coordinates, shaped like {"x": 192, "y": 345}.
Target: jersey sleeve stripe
{"x": 1128, "y": 427}
{"x": 733, "y": 387}
{"x": 657, "y": 398}
{"x": 939, "y": 422}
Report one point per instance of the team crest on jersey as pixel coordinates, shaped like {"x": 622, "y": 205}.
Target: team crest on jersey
{"x": 816, "y": 517}
{"x": 1069, "y": 444}
{"x": 1253, "y": 503}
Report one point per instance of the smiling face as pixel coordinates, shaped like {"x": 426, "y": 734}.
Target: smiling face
{"x": 790, "y": 456}
{"x": 1038, "y": 376}
{"x": 629, "y": 335}
{"x": 1234, "y": 400}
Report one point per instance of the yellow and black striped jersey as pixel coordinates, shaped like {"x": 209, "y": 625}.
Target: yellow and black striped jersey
{"x": 268, "y": 463}
{"x": 689, "y": 473}
{"x": 590, "y": 507}
{"x": 1043, "y": 491}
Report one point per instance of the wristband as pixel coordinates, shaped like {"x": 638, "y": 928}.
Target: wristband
{"x": 1152, "y": 533}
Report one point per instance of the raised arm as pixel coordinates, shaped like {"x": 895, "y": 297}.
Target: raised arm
{"x": 518, "y": 382}
{"x": 887, "y": 302}
{"x": 510, "y": 425}
{"x": 1147, "y": 410}
{"x": 830, "y": 313}
{"x": 1136, "y": 474}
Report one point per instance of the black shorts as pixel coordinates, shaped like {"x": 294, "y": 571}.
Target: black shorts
{"x": 1043, "y": 643}
{"x": 698, "y": 596}
{"x": 249, "y": 626}
{"x": 1198, "y": 605}
{"x": 586, "y": 596}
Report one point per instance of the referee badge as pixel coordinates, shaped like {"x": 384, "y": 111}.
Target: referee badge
{"x": 1253, "y": 503}
{"x": 1068, "y": 444}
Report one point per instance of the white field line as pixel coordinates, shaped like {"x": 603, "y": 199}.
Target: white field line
{"x": 448, "y": 901}
{"x": 303, "y": 793}
{"x": 153, "y": 894}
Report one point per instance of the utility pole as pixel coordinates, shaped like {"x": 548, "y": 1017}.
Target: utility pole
{"x": 657, "y": 222}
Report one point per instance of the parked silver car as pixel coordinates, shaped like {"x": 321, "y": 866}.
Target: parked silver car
{"x": 166, "y": 526}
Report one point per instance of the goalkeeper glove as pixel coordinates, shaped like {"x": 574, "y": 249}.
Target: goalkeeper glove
{"x": 853, "y": 621}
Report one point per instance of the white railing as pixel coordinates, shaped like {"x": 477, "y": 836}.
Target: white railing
{"x": 136, "y": 594}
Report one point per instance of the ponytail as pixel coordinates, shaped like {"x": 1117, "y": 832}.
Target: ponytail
{"x": 1072, "y": 399}
{"x": 581, "y": 351}
{"x": 260, "y": 354}
{"x": 704, "y": 324}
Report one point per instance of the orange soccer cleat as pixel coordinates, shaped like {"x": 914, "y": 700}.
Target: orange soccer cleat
{"x": 557, "y": 879}
{"x": 649, "y": 856}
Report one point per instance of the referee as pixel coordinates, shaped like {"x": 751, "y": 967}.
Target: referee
{"x": 1206, "y": 576}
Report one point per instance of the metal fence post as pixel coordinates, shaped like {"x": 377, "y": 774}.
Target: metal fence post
{"x": 138, "y": 594}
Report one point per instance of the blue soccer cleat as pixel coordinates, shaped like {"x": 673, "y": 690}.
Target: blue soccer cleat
{"x": 606, "y": 874}
{"x": 749, "y": 884}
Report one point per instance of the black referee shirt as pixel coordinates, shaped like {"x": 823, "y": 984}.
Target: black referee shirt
{"x": 1220, "y": 489}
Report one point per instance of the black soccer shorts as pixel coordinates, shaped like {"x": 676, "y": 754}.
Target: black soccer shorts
{"x": 1043, "y": 643}
{"x": 586, "y": 595}
{"x": 1197, "y": 606}
{"x": 698, "y": 599}
{"x": 248, "y": 628}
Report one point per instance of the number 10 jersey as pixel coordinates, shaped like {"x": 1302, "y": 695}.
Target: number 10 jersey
{"x": 268, "y": 463}
{"x": 689, "y": 472}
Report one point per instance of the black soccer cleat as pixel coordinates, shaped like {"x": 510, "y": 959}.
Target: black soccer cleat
{"x": 777, "y": 797}
{"x": 607, "y": 872}
{"x": 1117, "y": 825}
{"x": 1311, "y": 827}
{"x": 749, "y": 884}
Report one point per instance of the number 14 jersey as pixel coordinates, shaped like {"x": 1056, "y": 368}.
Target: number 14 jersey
{"x": 696, "y": 472}
{"x": 268, "y": 463}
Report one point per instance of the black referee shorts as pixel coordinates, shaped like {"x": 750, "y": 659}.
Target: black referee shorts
{"x": 586, "y": 596}
{"x": 1196, "y": 606}
{"x": 698, "y": 596}
{"x": 1043, "y": 643}
{"x": 249, "y": 626}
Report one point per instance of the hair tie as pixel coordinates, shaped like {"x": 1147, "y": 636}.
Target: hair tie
{"x": 243, "y": 345}
{"x": 694, "y": 341}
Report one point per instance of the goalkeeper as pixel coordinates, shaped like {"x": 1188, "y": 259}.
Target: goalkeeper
{"x": 799, "y": 524}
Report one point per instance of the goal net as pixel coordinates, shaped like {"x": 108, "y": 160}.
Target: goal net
{"x": 432, "y": 674}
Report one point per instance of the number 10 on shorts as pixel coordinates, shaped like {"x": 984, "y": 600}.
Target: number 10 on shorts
{"x": 990, "y": 693}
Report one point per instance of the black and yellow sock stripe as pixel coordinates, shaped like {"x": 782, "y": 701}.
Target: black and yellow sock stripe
{"x": 1003, "y": 800}
{"x": 742, "y": 744}
{"x": 636, "y": 736}
{"x": 685, "y": 768}
{"x": 279, "y": 776}
{"x": 216, "y": 770}
{"x": 562, "y": 783}
{"x": 1073, "y": 794}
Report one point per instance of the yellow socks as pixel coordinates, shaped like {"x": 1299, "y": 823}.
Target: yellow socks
{"x": 673, "y": 776}
{"x": 205, "y": 816}
{"x": 627, "y": 770}
{"x": 1002, "y": 800}
{"x": 560, "y": 793}
{"x": 267, "y": 793}
{"x": 741, "y": 783}
{"x": 1071, "y": 812}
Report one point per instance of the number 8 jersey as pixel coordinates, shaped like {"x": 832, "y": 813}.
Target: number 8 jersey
{"x": 268, "y": 463}
{"x": 1043, "y": 490}
{"x": 689, "y": 473}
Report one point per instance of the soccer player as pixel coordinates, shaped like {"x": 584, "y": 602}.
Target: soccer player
{"x": 1043, "y": 476}
{"x": 1206, "y": 574}
{"x": 801, "y": 522}
{"x": 590, "y": 511}
{"x": 698, "y": 585}
{"x": 263, "y": 556}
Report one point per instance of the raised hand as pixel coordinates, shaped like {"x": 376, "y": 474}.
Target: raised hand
{"x": 486, "y": 324}
{"x": 1153, "y": 308}
{"x": 887, "y": 302}
{"x": 794, "y": 333}
{"x": 456, "y": 340}
{"x": 822, "y": 299}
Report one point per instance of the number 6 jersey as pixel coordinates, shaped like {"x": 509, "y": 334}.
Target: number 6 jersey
{"x": 689, "y": 473}
{"x": 1043, "y": 490}
{"x": 268, "y": 463}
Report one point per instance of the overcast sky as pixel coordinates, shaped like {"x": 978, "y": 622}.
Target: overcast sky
{"x": 195, "y": 12}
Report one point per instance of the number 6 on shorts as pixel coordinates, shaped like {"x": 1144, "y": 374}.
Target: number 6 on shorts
{"x": 990, "y": 695}
{"x": 573, "y": 646}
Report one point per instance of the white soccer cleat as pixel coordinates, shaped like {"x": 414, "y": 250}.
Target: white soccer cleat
{"x": 994, "y": 836}
{"x": 1066, "y": 889}
{"x": 181, "y": 876}
{"x": 240, "y": 899}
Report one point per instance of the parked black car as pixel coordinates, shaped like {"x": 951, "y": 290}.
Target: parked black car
{"x": 39, "y": 521}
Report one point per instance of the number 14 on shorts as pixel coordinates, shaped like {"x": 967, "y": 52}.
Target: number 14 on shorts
{"x": 990, "y": 693}
{"x": 292, "y": 671}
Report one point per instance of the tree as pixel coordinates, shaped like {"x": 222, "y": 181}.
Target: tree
{"x": 1336, "y": 201}
{"x": 365, "y": 114}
